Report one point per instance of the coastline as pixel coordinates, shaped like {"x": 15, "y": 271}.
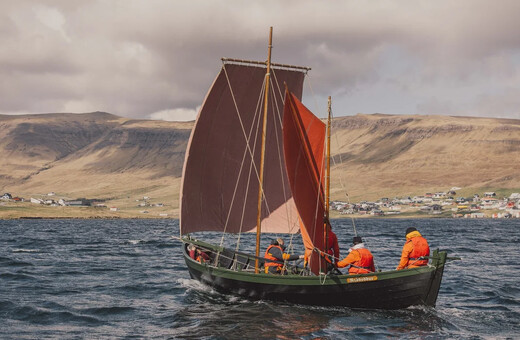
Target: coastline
{"x": 25, "y": 210}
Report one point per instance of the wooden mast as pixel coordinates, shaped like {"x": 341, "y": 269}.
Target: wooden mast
{"x": 262, "y": 154}
{"x": 327, "y": 184}
{"x": 327, "y": 192}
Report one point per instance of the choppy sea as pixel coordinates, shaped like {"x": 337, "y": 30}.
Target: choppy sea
{"x": 126, "y": 279}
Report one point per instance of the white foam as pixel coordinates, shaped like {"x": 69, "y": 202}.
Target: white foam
{"x": 191, "y": 284}
{"x": 22, "y": 250}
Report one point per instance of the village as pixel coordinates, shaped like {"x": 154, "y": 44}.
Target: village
{"x": 438, "y": 204}
{"x": 142, "y": 205}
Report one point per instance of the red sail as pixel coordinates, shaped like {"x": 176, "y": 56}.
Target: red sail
{"x": 304, "y": 138}
{"x": 220, "y": 181}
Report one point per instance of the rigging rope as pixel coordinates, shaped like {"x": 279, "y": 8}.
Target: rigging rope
{"x": 248, "y": 148}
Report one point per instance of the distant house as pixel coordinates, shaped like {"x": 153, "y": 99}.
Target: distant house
{"x": 6, "y": 196}
{"x": 36, "y": 201}
{"x": 74, "y": 203}
{"x": 18, "y": 199}
{"x": 439, "y": 195}
{"x": 490, "y": 194}
{"x": 475, "y": 215}
{"x": 514, "y": 196}
{"x": 113, "y": 209}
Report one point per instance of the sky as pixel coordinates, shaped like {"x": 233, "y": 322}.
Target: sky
{"x": 156, "y": 59}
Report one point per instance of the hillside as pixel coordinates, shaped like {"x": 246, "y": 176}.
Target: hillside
{"x": 93, "y": 155}
{"x": 388, "y": 156}
{"x": 99, "y": 155}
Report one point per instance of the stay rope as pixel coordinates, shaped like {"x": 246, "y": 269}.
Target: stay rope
{"x": 247, "y": 138}
{"x": 248, "y": 150}
{"x": 341, "y": 176}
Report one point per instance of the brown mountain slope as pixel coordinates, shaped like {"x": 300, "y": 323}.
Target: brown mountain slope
{"x": 94, "y": 155}
{"x": 99, "y": 155}
{"x": 385, "y": 155}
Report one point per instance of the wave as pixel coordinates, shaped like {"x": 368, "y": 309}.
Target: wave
{"x": 23, "y": 250}
{"x": 158, "y": 243}
{"x": 44, "y": 316}
{"x": 17, "y": 276}
{"x": 9, "y": 262}
{"x": 104, "y": 311}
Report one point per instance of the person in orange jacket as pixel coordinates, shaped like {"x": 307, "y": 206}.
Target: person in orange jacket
{"x": 359, "y": 259}
{"x": 415, "y": 247}
{"x": 275, "y": 252}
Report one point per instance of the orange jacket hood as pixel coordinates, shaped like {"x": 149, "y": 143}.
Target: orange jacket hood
{"x": 412, "y": 234}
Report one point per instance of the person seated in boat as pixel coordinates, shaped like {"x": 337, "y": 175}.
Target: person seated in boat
{"x": 275, "y": 252}
{"x": 333, "y": 250}
{"x": 359, "y": 259}
{"x": 415, "y": 247}
{"x": 197, "y": 254}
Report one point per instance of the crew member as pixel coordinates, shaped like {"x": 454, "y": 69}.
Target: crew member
{"x": 415, "y": 247}
{"x": 202, "y": 257}
{"x": 332, "y": 243}
{"x": 275, "y": 252}
{"x": 197, "y": 254}
{"x": 359, "y": 258}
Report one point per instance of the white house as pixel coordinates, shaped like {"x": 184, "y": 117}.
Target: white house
{"x": 515, "y": 196}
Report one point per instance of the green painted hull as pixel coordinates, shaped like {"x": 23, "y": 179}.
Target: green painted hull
{"x": 233, "y": 274}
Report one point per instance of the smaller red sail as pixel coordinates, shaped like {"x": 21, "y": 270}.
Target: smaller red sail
{"x": 304, "y": 138}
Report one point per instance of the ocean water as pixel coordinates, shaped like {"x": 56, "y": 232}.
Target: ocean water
{"x": 126, "y": 279}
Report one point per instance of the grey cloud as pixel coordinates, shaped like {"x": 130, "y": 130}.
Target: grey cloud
{"x": 136, "y": 58}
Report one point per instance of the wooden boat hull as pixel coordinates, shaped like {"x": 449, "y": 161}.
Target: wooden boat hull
{"x": 382, "y": 290}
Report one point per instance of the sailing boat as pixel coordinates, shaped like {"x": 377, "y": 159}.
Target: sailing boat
{"x": 255, "y": 163}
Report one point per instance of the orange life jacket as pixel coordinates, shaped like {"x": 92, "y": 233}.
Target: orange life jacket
{"x": 268, "y": 256}
{"x": 365, "y": 264}
{"x": 420, "y": 248}
{"x": 202, "y": 258}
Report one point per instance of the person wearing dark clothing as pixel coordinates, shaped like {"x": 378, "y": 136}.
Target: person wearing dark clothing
{"x": 333, "y": 247}
{"x": 197, "y": 254}
{"x": 275, "y": 252}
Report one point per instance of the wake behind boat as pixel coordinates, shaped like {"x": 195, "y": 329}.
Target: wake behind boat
{"x": 259, "y": 161}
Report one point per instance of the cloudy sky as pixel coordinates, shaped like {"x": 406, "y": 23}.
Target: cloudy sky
{"x": 156, "y": 59}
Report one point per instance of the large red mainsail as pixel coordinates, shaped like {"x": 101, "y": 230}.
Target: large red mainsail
{"x": 220, "y": 183}
{"x": 304, "y": 138}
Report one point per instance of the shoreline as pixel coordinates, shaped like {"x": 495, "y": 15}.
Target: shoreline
{"x": 27, "y": 211}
